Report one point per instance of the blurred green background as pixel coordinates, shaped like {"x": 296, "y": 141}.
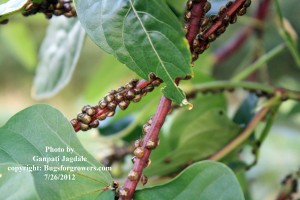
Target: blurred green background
{"x": 97, "y": 73}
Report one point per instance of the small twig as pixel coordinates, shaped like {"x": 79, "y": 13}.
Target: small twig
{"x": 286, "y": 35}
{"x": 239, "y": 39}
{"x": 260, "y": 62}
{"x": 257, "y": 145}
{"x": 259, "y": 89}
{"x": 214, "y": 26}
{"x": 231, "y": 11}
{"x": 142, "y": 153}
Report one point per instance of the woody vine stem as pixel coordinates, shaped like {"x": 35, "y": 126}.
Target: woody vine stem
{"x": 199, "y": 34}
{"x": 201, "y": 30}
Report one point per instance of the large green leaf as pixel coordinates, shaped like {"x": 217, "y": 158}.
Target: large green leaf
{"x": 29, "y": 133}
{"x": 107, "y": 195}
{"x": 16, "y": 185}
{"x": 194, "y": 135}
{"x": 205, "y": 180}
{"x": 144, "y": 35}
{"x": 58, "y": 56}
{"x": 184, "y": 118}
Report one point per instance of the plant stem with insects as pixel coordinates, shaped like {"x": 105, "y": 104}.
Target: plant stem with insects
{"x": 217, "y": 27}
{"x": 142, "y": 153}
{"x": 259, "y": 89}
{"x": 239, "y": 39}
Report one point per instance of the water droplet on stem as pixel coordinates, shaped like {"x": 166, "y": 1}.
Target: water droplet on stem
{"x": 186, "y": 104}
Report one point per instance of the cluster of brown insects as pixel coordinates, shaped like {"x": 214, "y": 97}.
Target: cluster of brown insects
{"x": 50, "y": 8}
{"x": 139, "y": 153}
{"x": 290, "y": 185}
{"x": 131, "y": 92}
{"x": 210, "y": 27}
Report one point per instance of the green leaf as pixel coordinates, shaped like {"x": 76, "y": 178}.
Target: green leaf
{"x": 16, "y": 185}
{"x": 25, "y": 139}
{"x": 184, "y": 118}
{"x": 145, "y": 36}
{"x": 205, "y": 180}
{"x": 194, "y": 135}
{"x": 58, "y": 56}
{"x": 11, "y": 7}
{"x": 177, "y": 7}
{"x": 107, "y": 195}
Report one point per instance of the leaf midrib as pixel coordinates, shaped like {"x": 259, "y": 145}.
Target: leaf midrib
{"x": 151, "y": 43}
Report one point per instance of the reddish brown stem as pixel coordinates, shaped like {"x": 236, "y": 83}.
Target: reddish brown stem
{"x": 214, "y": 26}
{"x": 239, "y": 39}
{"x": 262, "y": 10}
{"x": 142, "y": 157}
{"x": 232, "y": 46}
{"x": 231, "y": 11}
{"x": 158, "y": 120}
{"x": 193, "y": 25}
